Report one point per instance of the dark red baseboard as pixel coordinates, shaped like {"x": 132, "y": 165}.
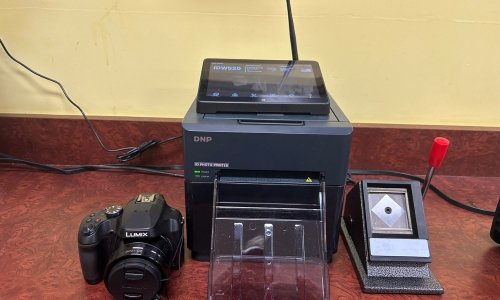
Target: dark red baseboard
{"x": 474, "y": 151}
{"x": 69, "y": 141}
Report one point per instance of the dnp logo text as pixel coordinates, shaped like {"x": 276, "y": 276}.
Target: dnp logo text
{"x": 202, "y": 139}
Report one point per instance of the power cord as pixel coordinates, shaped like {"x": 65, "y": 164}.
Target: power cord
{"x": 136, "y": 151}
{"x": 440, "y": 193}
{"x": 130, "y": 152}
{"x": 69, "y": 170}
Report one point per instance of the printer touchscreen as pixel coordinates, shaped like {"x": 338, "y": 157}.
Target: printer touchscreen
{"x": 259, "y": 86}
{"x": 271, "y": 80}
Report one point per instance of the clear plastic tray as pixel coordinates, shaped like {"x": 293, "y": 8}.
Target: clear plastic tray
{"x": 266, "y": 249}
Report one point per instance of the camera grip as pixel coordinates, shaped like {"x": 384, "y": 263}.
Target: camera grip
{"x": 92, "y": 261}
{"x": 95, "y": 235}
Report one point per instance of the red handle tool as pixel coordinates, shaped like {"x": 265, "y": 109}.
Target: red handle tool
{"x": 438, "y": 151}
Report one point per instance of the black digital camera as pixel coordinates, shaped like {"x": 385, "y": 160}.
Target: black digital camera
{"x": 133, "y": 248}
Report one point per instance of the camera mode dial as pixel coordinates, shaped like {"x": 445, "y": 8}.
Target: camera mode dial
{"x": 113, "y": 211}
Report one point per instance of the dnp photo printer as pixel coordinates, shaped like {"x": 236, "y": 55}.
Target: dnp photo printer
{"x": 271, "y": 127}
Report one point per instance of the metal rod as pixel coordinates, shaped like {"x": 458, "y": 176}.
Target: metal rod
{"x": 427, "y": 181}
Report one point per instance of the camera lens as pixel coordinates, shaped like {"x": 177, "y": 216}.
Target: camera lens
{"x": 134, "y": 278}
{"x": 136, "y": 269}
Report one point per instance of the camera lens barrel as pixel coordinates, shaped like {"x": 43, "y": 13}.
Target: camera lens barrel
{"x": 134, "y": 278}
{"x": 137, "y": 269}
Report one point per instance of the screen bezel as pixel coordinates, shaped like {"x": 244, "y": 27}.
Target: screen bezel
{"x": 204, "y": 78}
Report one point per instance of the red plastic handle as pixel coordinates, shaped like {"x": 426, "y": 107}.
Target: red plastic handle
{"x": 438, "y": 151}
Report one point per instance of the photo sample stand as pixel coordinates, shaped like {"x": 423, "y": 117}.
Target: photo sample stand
{"x": 385, "y": 233}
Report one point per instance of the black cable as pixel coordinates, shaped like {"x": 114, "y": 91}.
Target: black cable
{"x": 132, "y": 152}
{"x": 10, "y": 159}
{"x": 157, "y": 170}
{"x": 440, "y": 193}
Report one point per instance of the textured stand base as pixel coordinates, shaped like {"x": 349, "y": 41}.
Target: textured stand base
{"x": 390, "y": 285}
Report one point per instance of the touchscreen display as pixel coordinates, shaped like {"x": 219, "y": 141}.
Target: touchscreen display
{"x": 258, "y": 80}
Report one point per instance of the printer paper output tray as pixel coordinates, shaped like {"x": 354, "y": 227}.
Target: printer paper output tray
{"x": 268, "y": 237}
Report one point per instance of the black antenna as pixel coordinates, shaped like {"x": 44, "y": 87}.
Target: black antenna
{"x": 291, "y": 29}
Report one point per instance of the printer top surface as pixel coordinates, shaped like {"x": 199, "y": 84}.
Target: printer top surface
{"x": 333, "y": 123}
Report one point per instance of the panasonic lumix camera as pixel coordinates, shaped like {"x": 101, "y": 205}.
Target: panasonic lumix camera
{"x": 134, "y": 249}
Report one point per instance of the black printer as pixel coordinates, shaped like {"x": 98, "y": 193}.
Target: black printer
{"x": 272, "y": 126}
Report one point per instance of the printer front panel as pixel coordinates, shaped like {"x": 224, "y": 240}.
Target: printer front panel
{"x": 207, "y": 152}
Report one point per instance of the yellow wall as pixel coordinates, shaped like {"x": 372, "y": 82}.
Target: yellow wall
{"x": 385, "y": 61}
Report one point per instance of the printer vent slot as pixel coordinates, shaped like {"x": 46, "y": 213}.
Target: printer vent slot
{"x": 271, "y": 122}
